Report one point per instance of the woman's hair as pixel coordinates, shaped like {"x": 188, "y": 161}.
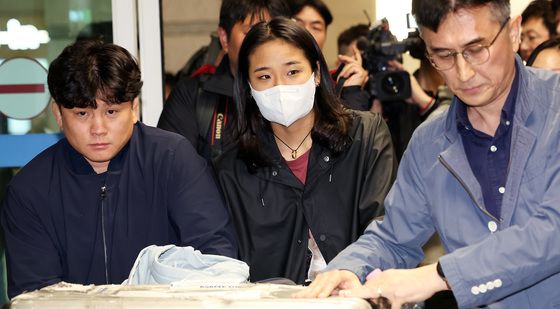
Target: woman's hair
{"x": 331, "y": 121}
{"x": 552, "y": 43}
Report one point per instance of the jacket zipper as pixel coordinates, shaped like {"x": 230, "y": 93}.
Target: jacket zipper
{"x": 442, "y": 160}
{"x": 103, "y": 194}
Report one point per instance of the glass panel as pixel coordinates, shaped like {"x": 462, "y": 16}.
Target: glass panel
{"x": 37, "y": 30}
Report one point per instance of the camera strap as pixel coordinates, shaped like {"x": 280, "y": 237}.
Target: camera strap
{"x": 339, "y": 86}
{"x": 340, "y": 83}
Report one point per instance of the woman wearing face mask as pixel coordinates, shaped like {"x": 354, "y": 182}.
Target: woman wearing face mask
{"x": 306, "y": 176}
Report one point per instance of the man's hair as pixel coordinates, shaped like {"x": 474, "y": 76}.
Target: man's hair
{"x": 552, "y": 43}
{"x": 430, "y": 13}
{"x": 320, "y": 6}
{"x": 90, "y": 70}
{"x": 331, "y": 121}
{"x": 541, "y": 9}
{"x": 346, "y": 37}
{"x": 234, "y": 11}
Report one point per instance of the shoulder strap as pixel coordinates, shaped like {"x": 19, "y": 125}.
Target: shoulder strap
{"x": 205, "y": 106}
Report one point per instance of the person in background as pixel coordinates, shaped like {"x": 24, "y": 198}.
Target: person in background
{"x": 307, "y": 175}
{"x": 350, "y": 76}
{"x": 546, "y": 56}
{"x": 429, "y": 95}
{"x": 201, "y": 108}
{"x": 83, "y": 209}
{"x": 348, "y": 39}
{"x": 485, "y": 176}
{"x": 538, "y": 24}
{"x": 313, "y": 15}
{"x": 556, "y": 10}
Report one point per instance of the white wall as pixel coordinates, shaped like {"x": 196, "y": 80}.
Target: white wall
{"x": 517, "y": 6}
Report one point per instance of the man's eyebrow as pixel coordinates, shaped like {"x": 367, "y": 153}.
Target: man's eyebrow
{"x": 318, "y": 22}
{"x": 471, "y": 42}
{"x": 531, "y": 31}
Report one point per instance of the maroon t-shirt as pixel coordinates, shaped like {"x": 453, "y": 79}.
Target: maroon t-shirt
{"x": 299, "y": 166}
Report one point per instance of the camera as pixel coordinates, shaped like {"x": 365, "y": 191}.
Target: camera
{"x": 379, "y": 47}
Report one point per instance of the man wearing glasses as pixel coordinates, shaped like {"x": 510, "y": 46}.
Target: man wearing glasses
{"x": 485, "y": 176}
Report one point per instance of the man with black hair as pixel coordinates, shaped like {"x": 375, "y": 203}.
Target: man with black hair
{"x": 313, "y": 15}
{"x": 485, "y": 175}
{"x": 201, "y": 108}
{"x": 83, "y": 209}
{"x": 538, "y": 24}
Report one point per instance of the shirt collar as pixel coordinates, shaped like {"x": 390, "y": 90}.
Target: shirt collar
{"x": 508, "y": 109}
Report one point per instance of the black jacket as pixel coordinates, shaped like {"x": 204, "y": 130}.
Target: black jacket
{"x": 273, "y": 211}
{"x": 201, "y": 109}
{"x": 158, "y": 191}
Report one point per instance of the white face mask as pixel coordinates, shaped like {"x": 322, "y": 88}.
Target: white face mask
{"x": 284, "y": 104}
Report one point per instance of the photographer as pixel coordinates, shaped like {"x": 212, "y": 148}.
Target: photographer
{"x": 404, "y": 100}
{"x": 429, "y": 94}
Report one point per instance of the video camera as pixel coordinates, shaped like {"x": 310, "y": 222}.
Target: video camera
{"x": 381, "y": 46}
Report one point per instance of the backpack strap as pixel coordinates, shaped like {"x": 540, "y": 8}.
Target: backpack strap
{"x": 205, "y": 106}
{"x": 204, "y": 111}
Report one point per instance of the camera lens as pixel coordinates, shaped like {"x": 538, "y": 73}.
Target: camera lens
{"x": 392, "y": 83}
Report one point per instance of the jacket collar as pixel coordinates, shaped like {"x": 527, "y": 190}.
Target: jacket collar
{"x": 222, "y": 81}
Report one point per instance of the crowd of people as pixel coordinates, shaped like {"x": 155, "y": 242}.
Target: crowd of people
{"x": 301, "y": 171}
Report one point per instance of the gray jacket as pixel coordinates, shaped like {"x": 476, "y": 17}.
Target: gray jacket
{"x": 507, "y": 262}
